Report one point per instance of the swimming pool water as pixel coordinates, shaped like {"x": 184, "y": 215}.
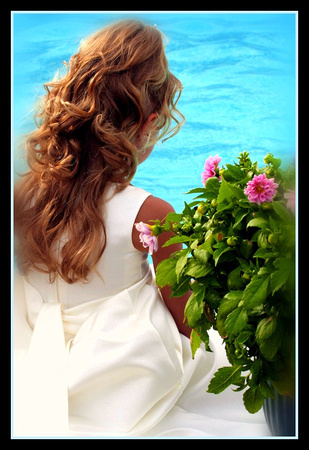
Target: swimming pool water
{"x": 239, "y": 76}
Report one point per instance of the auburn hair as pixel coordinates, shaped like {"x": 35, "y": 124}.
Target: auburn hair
{"x": 84, "y": 142}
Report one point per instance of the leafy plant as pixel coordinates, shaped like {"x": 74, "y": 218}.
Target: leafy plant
{"x": 238, "y": 261}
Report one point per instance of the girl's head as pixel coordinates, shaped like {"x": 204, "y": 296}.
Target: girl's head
{"x": 95, "y": 125}
{"x": 115, "y": 86}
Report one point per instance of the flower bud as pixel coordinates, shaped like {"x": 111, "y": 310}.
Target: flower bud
{"x": 202, "y": 208}
{"x": 262, "y": 240}
{"x": 176, "y": 227}
{"x": 232, "y": 241}
{"x": 186, "y": 227}
{"x": 272, "y": 239}
{"x": 219, "y": 236}
{"x": 246, "y": 276}
{"x": 268, "y": 158}
{"x": 267, "y": 206}
{"x": 197, "y": 226}
{"x": 156, "y": 229}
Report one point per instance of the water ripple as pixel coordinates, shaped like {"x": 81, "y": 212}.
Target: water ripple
{"x": 238, "y": 73}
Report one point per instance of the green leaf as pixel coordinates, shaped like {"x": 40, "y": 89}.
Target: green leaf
{"x": 280, "y": 209}
{"x": 256, "y": 370}
{"x": 264, "y": 253}
{"x": 212, "y": 298}
{"x": 253, "y": 400}
{"x": 232, "y": 297}
{"x": 234, "y": 172}
{"x": 258, "y": 222}
{"x": 274, "y": 225}
{"x": 182, "y": 261}
{"x": 199, "y": 288}
{"x": 236, "y": 321}
{"x": 196, "y": 202}
{"x": 201, "y": 255}
{"x": 234, "y": 279}
{"x": 243, "y": 336}
{"x": 220, "y": 251}
{"x": 177, "y": 240}
{"x": 166, "y": 273}
{"x": 246, "y": 248}
{"x": 181, "y": 286}
{"x": 195, "y": 342}
{"x": 229, "y": 191}
{"x": 223, "y": 378}
{"x": 196, "y": 269}
{"x": 270, "y": 346}
{"x": 266, "y": 327}
{"x": 240, "y": 215}
{"x": 243, "y": 264}
{"x": 194, "y": 244}
{"x": 209, "y": 239}
{"x": 195, "y": 307}
{"x": 188, "y": 211}
{"x": 225, "y": 194}
{"x": 201, "y": 329}
{"x": 212, "y": 187}
{"x": 196, "y": 191}
{"x": 280, "y": 277}
{"x": 223, "y": 206}
{"x": 228, "y": 304}
{"x": 172, "y": 217}
{"x": 256, "y": 291}
{"x": 267, "y": 389}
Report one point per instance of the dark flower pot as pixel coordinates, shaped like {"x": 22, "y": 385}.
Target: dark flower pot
{"x": 280, "y": 415}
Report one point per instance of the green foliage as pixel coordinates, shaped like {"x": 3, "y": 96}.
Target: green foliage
{"x": 223, "y": 378}
{"x": 238, "y": 264}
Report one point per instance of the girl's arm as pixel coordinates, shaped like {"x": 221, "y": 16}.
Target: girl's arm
{"x": 156, "y": 208}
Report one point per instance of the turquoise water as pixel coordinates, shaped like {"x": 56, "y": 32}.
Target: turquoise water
{"x": 239, "y": 76}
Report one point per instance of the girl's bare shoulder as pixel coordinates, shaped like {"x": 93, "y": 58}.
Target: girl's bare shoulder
{"x": 153, "y": 208}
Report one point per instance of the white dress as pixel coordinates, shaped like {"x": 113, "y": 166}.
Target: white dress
{"x": 105, "y": 358}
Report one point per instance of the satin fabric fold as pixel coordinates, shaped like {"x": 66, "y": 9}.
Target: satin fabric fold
{"x": 40, "y": 376}
{"x": 129, "y": 372}
{"x": 118, "y": 361}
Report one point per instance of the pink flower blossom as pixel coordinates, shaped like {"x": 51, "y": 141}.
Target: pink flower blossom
{"x": 290, "y": 198}
{"x": 147, "y": 238}
{"x": 210, "y": 168}
{"x": 261, "y": 189}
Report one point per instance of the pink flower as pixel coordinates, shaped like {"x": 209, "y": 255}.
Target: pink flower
{"x": 211, "y": 168}
{"x": 290, "y": 198}
{"x": 147, "y": 238}
{"x": 261, "y": 189}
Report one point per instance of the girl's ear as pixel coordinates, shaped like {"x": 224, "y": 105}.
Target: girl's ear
{"x": 146, "y": 130}
{"x": 149, "y": 123}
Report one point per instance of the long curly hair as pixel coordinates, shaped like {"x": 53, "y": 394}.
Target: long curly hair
{"x": 85, "y": 139}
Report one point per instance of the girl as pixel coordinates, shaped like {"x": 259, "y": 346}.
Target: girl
{"x": 99, "y": 351}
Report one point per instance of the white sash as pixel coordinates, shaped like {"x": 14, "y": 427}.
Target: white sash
{"x": 40, "y": 378}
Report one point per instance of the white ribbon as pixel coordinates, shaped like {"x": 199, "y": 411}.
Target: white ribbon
{"x": 42, "y": 407}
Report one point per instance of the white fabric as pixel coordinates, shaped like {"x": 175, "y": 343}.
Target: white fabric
{"x": 105, "y": 358}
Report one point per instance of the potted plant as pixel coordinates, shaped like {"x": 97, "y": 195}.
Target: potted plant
{"x": 238, "y": 261}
